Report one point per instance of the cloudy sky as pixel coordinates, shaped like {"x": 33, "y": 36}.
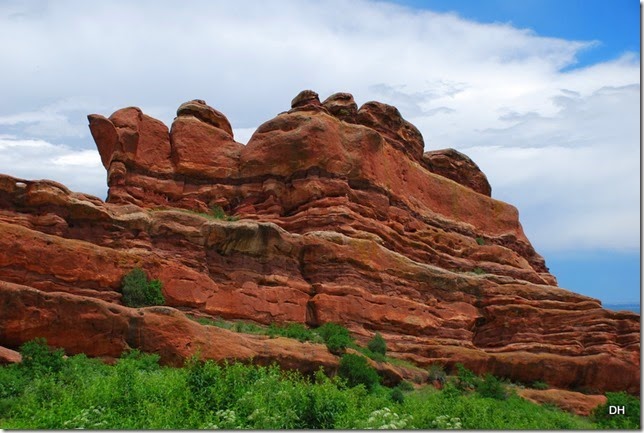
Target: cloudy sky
{"x": 543, "y": 94}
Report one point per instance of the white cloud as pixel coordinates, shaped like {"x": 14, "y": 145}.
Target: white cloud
{"x": 497, "y": 92}
{"x": 574, "y": 175}
{"x": 79, "y": 170}
{"x": 242, "y": 135}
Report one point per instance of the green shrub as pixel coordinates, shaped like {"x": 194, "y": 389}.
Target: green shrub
{"x": 478, "y": 271}
{"x": 377, "y": 344}
{"x": 38, "y": 358}
{"x": 336, "y": 337}
{"x": 466, "y": 380}
{"x": 397, "y": 396}
{"x": 539, "y": 385}
{"x": 139, "y": 292}
{"x": 480, "y": 241}
{"x": 631, "y": 418}
{"x": 248, "y": 328}
{"x": 325, "y": 403}
{"x": 217, "y": 212}
{"x": 142, "y": 361}
{"x": 491, "y": 387}
{"x": 451, "y": 391}
{"x": 373, "y": 355}
{"x": 437, "y": 374}
{"x": 357, "y": 371}
{"x": 405, "y": 386}
{"x": 12, "y": 381}
{"x": 293, "y": 330}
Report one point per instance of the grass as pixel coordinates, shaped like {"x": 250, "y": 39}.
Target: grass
{"x": 138, "y": 393}
{"x": 323, "y": 334}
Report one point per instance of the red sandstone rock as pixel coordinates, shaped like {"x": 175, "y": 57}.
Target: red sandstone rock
{"x": 388, "y": 121}
{"x": 342, "y": 106}
{"x": 575, "y": 402}
{"x": 199, "y": 109}
{"x": 8, "y": 356}
{"x": 305, "y": 97}
{"x": 454, "y": 165}
{"x": 340, "y": 221}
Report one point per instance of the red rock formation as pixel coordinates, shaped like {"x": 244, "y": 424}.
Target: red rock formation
{"x": 575, "y": 402}
{"x": 8, "y": 356}
{"x": 459, "y": 167}
{"x": 341, "y": 219}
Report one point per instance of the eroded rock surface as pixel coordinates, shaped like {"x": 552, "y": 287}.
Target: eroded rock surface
{"x": 341, "y": 218}
{"x": 575, "y": 402}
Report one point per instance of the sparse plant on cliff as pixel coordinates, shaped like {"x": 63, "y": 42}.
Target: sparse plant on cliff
{"x": 336, "y": 337}
{"x": 218, "y": 212}
{"x": 480, "y": 241}
{"x": 138, "y": 291}
{"x": 377, "y": 344}
{"x": 539, "y": 385}
{"x": 294, "y": 330}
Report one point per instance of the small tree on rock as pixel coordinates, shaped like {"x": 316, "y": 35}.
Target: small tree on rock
{"x": 377, "y": 344}
{"x": 139, "y": 292}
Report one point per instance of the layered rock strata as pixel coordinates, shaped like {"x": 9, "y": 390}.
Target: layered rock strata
{"x": 342, "y": 218}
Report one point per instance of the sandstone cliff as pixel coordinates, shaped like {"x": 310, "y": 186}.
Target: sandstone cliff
{"x": 342, "y": 218}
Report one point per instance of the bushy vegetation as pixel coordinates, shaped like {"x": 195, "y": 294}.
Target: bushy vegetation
{"x": 437, "y": 374}
{"x": 40, "y": 359}
{"x": 336, "y": 337}
{"x": 53, "y": 392}
{"x": 138, "y": 291}
{"x": 491, "y": 387}
{"x": 356, "y": 371}
{"x": 377, "y": 345}
{"x": 295, "y": 330}
{"x": 629, "y": 420}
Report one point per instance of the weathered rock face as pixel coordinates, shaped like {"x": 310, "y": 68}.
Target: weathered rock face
{"x": 454, "y": 165}
{"x": 343, "y": 219}
{"x": 575, "y": 402}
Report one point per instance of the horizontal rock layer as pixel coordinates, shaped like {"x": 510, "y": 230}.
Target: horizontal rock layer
{"x": 342, "y": 218}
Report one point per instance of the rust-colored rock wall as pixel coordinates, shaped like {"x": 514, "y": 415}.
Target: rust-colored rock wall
{"x": 341, "y": 218}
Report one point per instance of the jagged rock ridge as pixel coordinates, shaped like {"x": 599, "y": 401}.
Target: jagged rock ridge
{"x": 342, "y": 218}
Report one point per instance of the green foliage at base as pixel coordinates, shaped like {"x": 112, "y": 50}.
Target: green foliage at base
{"x": 466, "y": 380}
{"x": 491, "y": 387}
{"x": 437, "y": 374}
{"x": 138, "y": 393}
{"x": 629, "y": 420}
{"x": 40, "y": 359}
{"x": 356, "y": 371}
{"x": 138, "y": 291}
